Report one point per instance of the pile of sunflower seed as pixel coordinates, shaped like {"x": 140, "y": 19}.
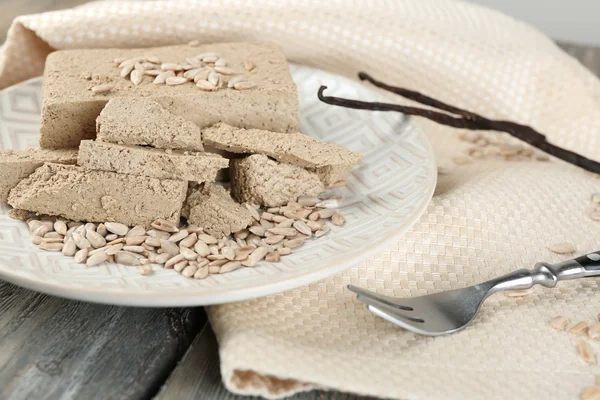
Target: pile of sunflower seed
{"x": 187, "y": 249}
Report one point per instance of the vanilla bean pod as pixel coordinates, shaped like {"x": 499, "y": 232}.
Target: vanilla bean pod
{"x": 462, "y": 119}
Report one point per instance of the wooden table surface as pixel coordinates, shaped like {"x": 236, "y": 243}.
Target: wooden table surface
{"x": 51, "y": 348}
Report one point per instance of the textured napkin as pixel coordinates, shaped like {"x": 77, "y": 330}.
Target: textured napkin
{"x": 487, "y": 218}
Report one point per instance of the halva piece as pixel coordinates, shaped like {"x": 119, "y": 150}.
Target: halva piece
{"x": 147, "y": 161}
{"x": 211, "y": 207}
{"x": 330, "y": 161}
{"x": 16, "y": 165}
{"x": 259, "y": 180}
{"x": 70, "y": 107}
{"x": 145, "y": 122}
{"x": 98, "y": 196}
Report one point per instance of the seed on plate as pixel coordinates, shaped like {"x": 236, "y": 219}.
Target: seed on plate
{"x": 283, "y": 231}
{"x": 81, "y": 256}
{"x": 136, "y": 240}
{"x": 208, "y": 239}
{"x": 579, "y": 328}
{"x": 41, "y": 230}
{"x": 163, "y": 225}
{"x": 114, "y": 249}
{"x": 175, "y": 80}
{"x": 293, "y": 243}
{"x": 53, "y": 235}
{"x": 36, "y": 239}
{"x": 189, "y": 271}
{"x": 80, "y": 241}
{"x": 180, "y": 265}
{"x": 173, "y": 260}
{"x": 230, "y": 266}
{"x": 284, "y": 251}
{"x": 189, "y": 241}
{"x": 101, "y": 229}
{"x": 69, "y": 248}
{"x": 258, "y": 230}
{"x": 244, "y": 85}
{"x": 562, "y": 248}
{"x": 201, "y": 272}
{"x": 559, "y": 323}
{"x": 34, "y": 224}
{"x": 144, "y": 269}
{"x": 53, "y": 246}
{"x": 162, "y": 258}
{"x": 201, "y": 248}
{"x": 235, "y": 80}
{"x": 273, "y": 257}
{"x": 162, "y": 78}
{"x": 176, "y": 237}
{"x": 188, "y": 254}
{"x": 111, "y": 236}
{"x": 302, "y": 227}
{"x": 126, "y": 258}
{"x": 169, "y": 247}
{"x": 95, "y": 239}
{"x": 586, "y": 352}
{"x": 96, "y": 258}
{"x": 116, "y": 228}
{"x": 60, "y": 227}
{"x": 315, "y": 225}
{"x": 255, "y": 257}
{"x": 590, "y": 393}
{"x": 228, "y": 252}
{"x": 158, "y": 234}
{"x": 338, "y": 219}
{"x": 274, "y": 239}
{"x": 249, "y": 65}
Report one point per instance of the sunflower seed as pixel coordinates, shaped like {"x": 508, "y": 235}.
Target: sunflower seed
{"x": 188, "y": 254}
{"x": 52, "y": 246}
{"x": 162, "y": 258}
{"x": 258, "y": 230}
{"x": 328, "y": 203}
{"x": 224, "y": 70}
{"x": 110, "y": 237}
{"x": 158, "y": 234}
{"x": 518, "y": 293}
{"x": 134, "y": 249}
{"x": 206, "y": 86}
{"x": 559, "y": 323}
{"x": 176, "y": 237}
{"x": 194, "y": 229}
{"x": 153, "y": 59}
{"x": 586, "y": 352}
{"x": 180, "y": 265}
{"x": 169, "y": 247}
{"x": 322, "y": 232}
{"x": 207, "y": 54}
{"x": 53, "y": 235}
{"x": 302, "y": 227}
{"x": 283, "y": 231}
{"x": 114, "y": 249}
{"x": 284, "y": 251}
{"x": 201, "y": 248}
{"x": 561, "y": 248}
{"x": 144, "y": 269}
{"x": 210, "y": 59}
{"x": 36, "y": 239}
{"x": 594, "y": 331}
{"x": 201, "y": 272}
{"x": 165, "y": 226}
{"x": 293, "y": 243}
{"x": 228, "y": 252}
{"x": 249, "y": 65}
{"x": 189, "y": 241}
{"x": 189, "y": 271}
{"x": 173, "y": 260}
{"x": 266, "y": 224}
{"x": 116, "y": 241}
{"x": 280, "y": 218}
{"x": 80, "y": 241}
{"x": 234, "y": 80}
{"x": 170, "y": 67}
{"x": 101, "y": 229}
{"x": 126, "y": 258}
{"x": 116, "y": 228}
{"x": 274, "y": 239}
{"x": 218, "y": 262}
{"x": 338, "y": 219}
{"x": 255, "y": 257}
{"x": 579, "y": 328}
{"x": 327, "y": 213}
{"x": 95, "y": 239}
{"x": 214, "y": 250}
{"x": 208, "y": 239}
{"x": 202, "y": 75}
{"x": 81, "y": 256}
{"x": 590, "y": 393}
{"x": 137, "y": 76}
{"x": 96, "y": 258}
{"x": 273, "y": 257}
{"x": 162, "y": 78}
{"x": 153, "y": 72}
{"x": 244, "y": 85}
{"x": 136, "y": 240}
{"x": 315, "y": 225}
{"x": 253, "y": 240}
{"x": 243, "y": 234}
{"x": 214, "y": 78}
{"x": 80, "y": 231}
{"x": 41, "y": 230}
{"x": 191, "y": 74}
{"x": 175, "y": 80}
{"x": 126, "y": 70}
{"x": 230, "y": 266}
{"x": 137, "y": 230}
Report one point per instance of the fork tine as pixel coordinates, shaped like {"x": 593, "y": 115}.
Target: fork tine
{"x": 389, "y": 301}
{"x": 388, "y": 309}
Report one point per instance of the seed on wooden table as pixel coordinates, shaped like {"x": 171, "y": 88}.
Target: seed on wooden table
{"x": 60, "y": 227}
{"x": 559, "y": 323}
{"x": 590, "y": 393}
{"x": 188, "y": 254}
{"x": 562, "y": 248}
{"x": 69, "y": 248}
{"x": 116, "y": 228}
{"x": 81, "y": 256}
{"x": 36, "y": 239}
{"x": 95, "y": 239}
{"x": 162, "y": 258}
{"x": 255, "y": 257}
{"x": 169, "y": 247}
{"x": 201, "y": 248}
{"x": 244, "y": 85}
{"x": 230, "y": 266}
{"x": 175, "y": 80}
{"x": 586, "y": 352}
{"x": 126, "y": 258}
{"x": 111, "y": 236}
{"x": 96, "y": 258}
{"x": 338, "y": 219}
{"x": 180, "y": 265}
{"x": 176, "y": 237}
{"x": 173, "y": 260}
{"x": 114, "y": 249}
{"x": 201, "y": 272}
{"x": 162, "y": 78}
{"x": 51, "y": 246}
{"x": 249, "y": 65}
{"x": 189, "y": 271}
{"x": 163, "y": 225}
{"x": 189, "y": 241}
{"x": 273, "y": 257}
{"x": 208, "y": 239}
{"x": 579, "y": 328}
{"x": 293, "y": 243}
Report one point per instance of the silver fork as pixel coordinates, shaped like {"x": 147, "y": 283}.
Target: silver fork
{"x": 447, "y": 312}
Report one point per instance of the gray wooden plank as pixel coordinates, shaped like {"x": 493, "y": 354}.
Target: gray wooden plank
{"x": 198, "y": 376}
{"x": 52, "y": 348}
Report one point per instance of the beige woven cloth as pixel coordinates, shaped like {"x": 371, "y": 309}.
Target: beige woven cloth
{"x": 486, "y": 218}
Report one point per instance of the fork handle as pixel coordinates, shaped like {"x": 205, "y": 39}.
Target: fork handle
{"x": 548, "y": 275}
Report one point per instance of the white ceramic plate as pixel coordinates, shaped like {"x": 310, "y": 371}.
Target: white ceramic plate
{"x": 384, "y": 197}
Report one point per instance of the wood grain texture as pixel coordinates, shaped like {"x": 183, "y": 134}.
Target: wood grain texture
{"x": 52, "y": 348}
